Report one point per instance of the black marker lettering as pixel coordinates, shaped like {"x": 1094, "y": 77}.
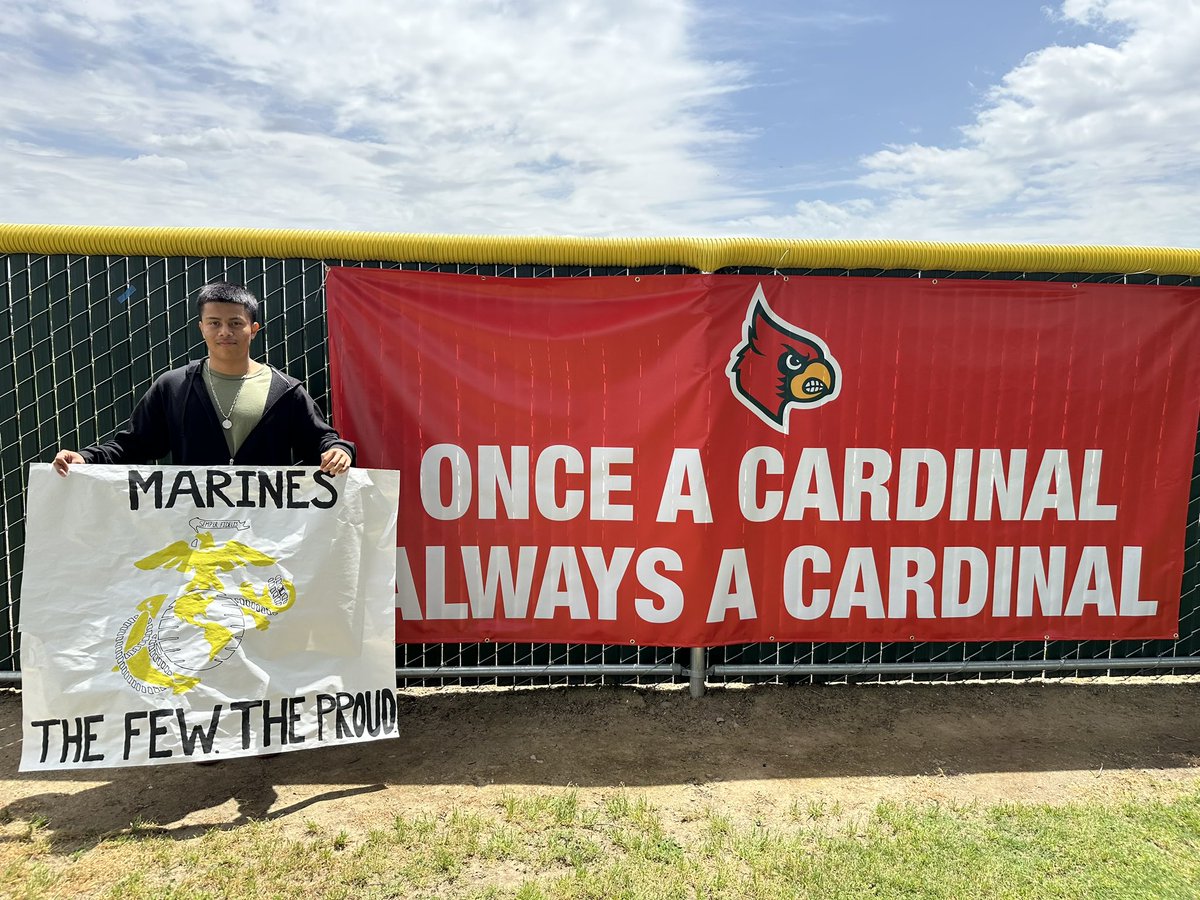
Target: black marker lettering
{"x": 189, "y": 736}
{"x": 157, "y": 729}
{"x": 218, "y": 490}
{"x": 244, "y": 707}
{"x": 44, "y": 724}
{"x": 270, "y": 484}
{"x": 185, "y": 483}
{"x": 293, "y": 488}
{"x": 130, "y": 731}
{"x": 89, "y": 737}
{"x": 325, "y": 480}
{"x": 246, "y": 477}
{"x": 325, "y": 705}
{"x": 295, "y": 705}
{"x": 144, "y": 483}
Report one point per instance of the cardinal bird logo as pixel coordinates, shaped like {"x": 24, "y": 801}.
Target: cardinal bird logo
{"x": 779, "y": 366}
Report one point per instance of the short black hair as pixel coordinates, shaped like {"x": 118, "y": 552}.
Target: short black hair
{"x": 224, "y": 292}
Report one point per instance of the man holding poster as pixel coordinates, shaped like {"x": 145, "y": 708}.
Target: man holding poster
{"x": 205, "y": 611}
{"x": 227, "y": 407}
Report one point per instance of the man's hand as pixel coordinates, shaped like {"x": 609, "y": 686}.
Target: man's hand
{"x": 335, "y": 461}
{"x": 66, "y": 458}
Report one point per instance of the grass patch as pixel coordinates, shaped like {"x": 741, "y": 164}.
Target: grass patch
{"x": 554, "y": 845}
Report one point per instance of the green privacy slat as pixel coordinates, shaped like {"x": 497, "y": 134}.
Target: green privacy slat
{"x": 82, "y": 336}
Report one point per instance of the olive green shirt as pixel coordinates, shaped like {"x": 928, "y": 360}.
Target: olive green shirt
{"x": 241, "y": 398}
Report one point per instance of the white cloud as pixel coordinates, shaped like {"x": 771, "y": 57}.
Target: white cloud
{"x": 527, "y": 116}
{"x": 1082, "y": 144}
{"x": 154, "y": 162}
{"x": 557, "y": 116}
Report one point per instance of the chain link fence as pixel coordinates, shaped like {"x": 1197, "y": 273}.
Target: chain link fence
{"x": 82, "y": 337}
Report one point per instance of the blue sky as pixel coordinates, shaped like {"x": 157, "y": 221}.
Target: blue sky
{"x": 1073, "y": 121}
{"x": 840, "y": 80}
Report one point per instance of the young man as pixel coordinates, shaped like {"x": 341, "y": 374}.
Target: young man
{"x": 223, "y": 410}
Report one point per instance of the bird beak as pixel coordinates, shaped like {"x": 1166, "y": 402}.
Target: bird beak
{"x": 813, "y": 382}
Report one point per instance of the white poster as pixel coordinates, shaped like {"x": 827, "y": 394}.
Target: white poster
{"x": 173, "y": 614}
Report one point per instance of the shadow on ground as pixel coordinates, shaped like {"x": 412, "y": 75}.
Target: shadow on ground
{"x": 604, "y": 737}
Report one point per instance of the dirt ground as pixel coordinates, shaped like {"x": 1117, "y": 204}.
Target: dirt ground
{"x": 756, "y": 754}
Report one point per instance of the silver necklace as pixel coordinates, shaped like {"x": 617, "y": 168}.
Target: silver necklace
{"x": 226, "y": 423}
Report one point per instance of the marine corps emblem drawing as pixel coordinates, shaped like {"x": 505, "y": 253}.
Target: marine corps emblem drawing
{"x": 171, "y": 641}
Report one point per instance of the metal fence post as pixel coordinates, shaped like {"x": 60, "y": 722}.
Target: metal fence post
{"x": 696, "y": 672}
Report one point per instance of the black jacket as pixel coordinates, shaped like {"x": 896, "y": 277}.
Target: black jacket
{"x": 177, "y": 417}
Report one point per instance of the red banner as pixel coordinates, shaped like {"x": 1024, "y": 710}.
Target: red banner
{"x": 703, "y": 460}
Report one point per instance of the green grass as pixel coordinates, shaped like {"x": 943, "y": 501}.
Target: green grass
{"x": 553, "y": 846}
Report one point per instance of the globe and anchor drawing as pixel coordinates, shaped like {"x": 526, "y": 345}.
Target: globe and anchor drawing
{"x": 172, "y": 640}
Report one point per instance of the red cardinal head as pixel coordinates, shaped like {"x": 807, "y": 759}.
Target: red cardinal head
{"x": 778, "y": 366}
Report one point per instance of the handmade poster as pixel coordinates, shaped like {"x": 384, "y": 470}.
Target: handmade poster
{"x": 173, "y": 614}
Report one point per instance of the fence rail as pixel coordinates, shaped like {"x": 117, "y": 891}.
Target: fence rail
{"x": 82, "y": 334}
